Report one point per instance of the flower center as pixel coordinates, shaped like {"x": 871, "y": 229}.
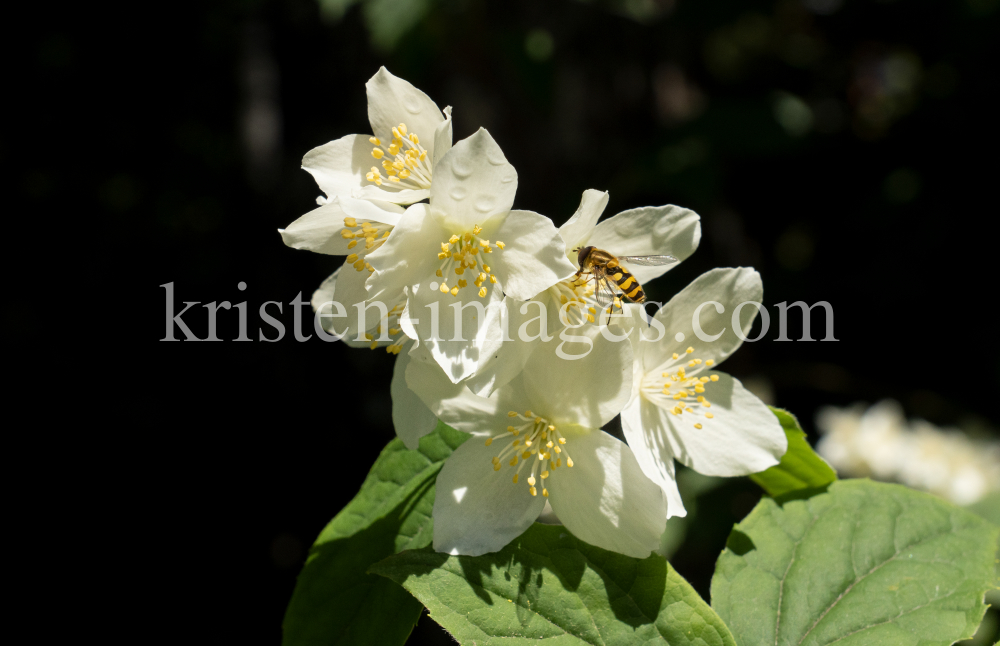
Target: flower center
{"x": 535, "y": 440}
{"x": 373, "y": 233}
{"x": 461, "y": 252}
{"x": 404, "y": 161}
{"x": 577, "y": 294}
{"x": 396, "y": 334}
{"x": 682, "y": 390}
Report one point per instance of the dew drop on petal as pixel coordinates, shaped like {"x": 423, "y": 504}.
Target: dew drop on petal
{"x": 411, "y": 103}
{"x": 495, "y": 157}
{"x": 508, "y": 177}
{"x": 461, "y": 169}
{"x": 484, "y": 203}
{"x": 434, "y": 286}
{"x": 679, "y": 337}
{"x": 457, "y": 193}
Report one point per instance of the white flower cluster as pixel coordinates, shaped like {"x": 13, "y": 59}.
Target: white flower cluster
{"x": 535, "y": 417}
{"x": 880, "y": 443}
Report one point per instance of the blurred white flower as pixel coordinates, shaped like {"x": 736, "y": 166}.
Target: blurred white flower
{"x": 880, "y": 443}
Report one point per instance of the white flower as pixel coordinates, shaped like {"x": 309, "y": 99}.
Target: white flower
{"x": 652, "y": 230}
{"x": 682, "y": 408}
{"x": 455, "y": 251}
{"x": 538, "y": 438}
{"x": 361, "y": 203}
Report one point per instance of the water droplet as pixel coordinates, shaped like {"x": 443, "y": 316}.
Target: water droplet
{"x": 411, "y": 103}
{"x": 457, "y": 193}
{"x": 484, "y": 203}
{"x": 461, "y": 168}
{"x": 679, "y": 337}
{"x": 495, "y": 156}
{"x": 434, "y": 286}
{"x": 507, "y": 178}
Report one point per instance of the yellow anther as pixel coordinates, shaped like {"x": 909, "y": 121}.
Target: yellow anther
{"x": 692, "y": 364}
{"x": 486, "y": 268}
{"x": 489, "y": 441}
{"x": 558, "y": 450}
{"x": 515, "y": 475}
{"x": 393, "y": 331}
{"x": 444, "y": 288}
{"x": 700, "y": 398}
{"x": 394, "y": 149}
{"x": 549, "y": 444}
{"x": 493, "y": 279}
{"x": 526, "y": 455}
{"x": 346, "y": 235}
{"x": 528, "y": 413}
{"x": 699, "y": 389}
{"x": 512, "y": 414}
{"x": 474, "y": 250}
{"x": 495, "y": 460}
{"x": 533, "y": 491}
{"x": 369, "y": 243}
{"x": 689, "y": 350}
{"x": 377, "y": 153}
{"x": 551, "y": 427}
{"x": 709, "y": 415}
{"x": 527, "y": 442}
{"x": 462, "y": 283}
{"x": 676, "y": 356}
{"x": 563, "y": 300}
{"x": 398, "y": 165}
{"x": 482, "y": 292}
{"x": 697, "y": 425}
{"x": 569, "y": 462}
{"x": 459, "y": 270}
{"x": 453, "y": 239}
{"x": 484, "y": 243}
{"x": 352, "y": 244}
{"x": 562, "y": 440}
{"x": 544, "y": 474}
{"x": 706, "y": 404}
{"x": 423, "y": 155}
{"x": 438, "y": 274}
{"x": 375, "y": 140}
{"x": 393, "y": 179}
{"x": 531, "y": 480}
{"x": 454, "y": 291}
{"x": 402, "y": 128}
{"x": 715, "y": 377}
{"x": 360, "y": 264}
{"x": 370, "y": 269}
{"x": 350, "y": 222}
{"x": 352, "y": 258}
{"x": 697, "y": 360}
{"x": 590, "y": 318}
{"x": 500, "y": 244}
{"x": 496, "y": 467}
{"x": 476, "y": 229}
{"x": 442, "y": 255}
{"x": 545, "y": 492}
{"x": 369, "y": 336}
{"x": 688, "y": 410}
{"x": 710, "y": 362}
{"x": 414, "y": 139}
{"x": 704, "y": 380}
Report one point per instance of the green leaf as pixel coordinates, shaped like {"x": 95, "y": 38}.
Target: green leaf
{"x": 865, "y": 563}
{"x": 800, "y": 468}
{"x": 335, "y": 601}
{"x": 549, "y": 585}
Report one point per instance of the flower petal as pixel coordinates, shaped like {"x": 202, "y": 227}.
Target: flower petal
{"x": 318, "y": 230}
{"x": 339, "y": 166}
{"x": 605, "y": 499}
{"x": 459, "y": 355}
{"x": 533, "y": 258}
{"x": 577, "y": 230}
{"x": 392, "y": 101}
{"x": 741, "y": 438}
{"x": 589, "y": 390}
{"x": 645, "y": 428}
{"x": 410, "y": 416}
{"x": 476, "y": 509}
{"x": 453, "y": 404}
{"x": 727, "y": 286}
{"x": 442, "y": 137}
{"x": 403, "y": 196}
{"x": 651, "y": 230}
{"x": 408, "y": 256}
{"x": 345, "y": 286}
{"x": 473, "y": 182}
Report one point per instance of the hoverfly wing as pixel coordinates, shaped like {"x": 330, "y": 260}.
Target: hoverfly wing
{"x": 604, "y": 291}
{"x": 648, "y": 261}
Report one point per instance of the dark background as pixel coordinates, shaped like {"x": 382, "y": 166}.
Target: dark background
{"x": 844, "y": 148}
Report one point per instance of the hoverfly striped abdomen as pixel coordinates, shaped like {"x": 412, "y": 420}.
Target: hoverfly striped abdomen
{"x": 626, "y": 282}
{"x": 606, "y": 269}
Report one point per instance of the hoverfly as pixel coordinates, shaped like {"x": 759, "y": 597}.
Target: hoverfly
{"x": 611, "y": 277}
